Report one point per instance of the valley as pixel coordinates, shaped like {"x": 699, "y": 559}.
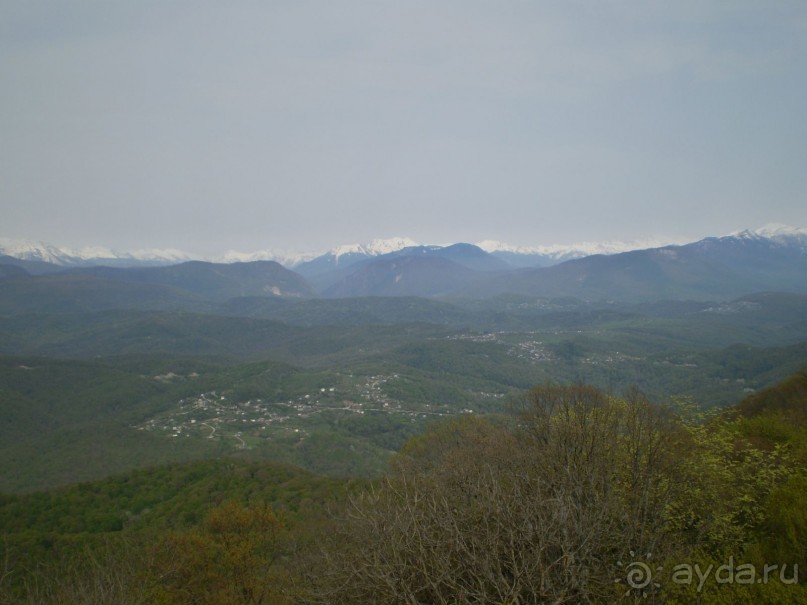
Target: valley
{"x": 403, "y": 303}
{"x": 138, "y": 399}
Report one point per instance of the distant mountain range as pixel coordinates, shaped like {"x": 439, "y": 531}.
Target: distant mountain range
{"x": 717, "y": 268}
{"x": 88, "y": 256}
{"x": 311, "y": 262}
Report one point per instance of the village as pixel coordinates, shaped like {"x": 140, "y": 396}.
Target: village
{"x": 216, "y": 415}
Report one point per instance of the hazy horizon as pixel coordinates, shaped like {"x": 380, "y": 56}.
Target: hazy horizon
{"x": 302, "y": 126}
{"x": 86, "y": 247}
{"x": 380, "y": 244}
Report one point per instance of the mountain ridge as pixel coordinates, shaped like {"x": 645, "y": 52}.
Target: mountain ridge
{"x": 714, "y": 268}
{"x": 537, "y": 255}
{"x": 34, "y": 250}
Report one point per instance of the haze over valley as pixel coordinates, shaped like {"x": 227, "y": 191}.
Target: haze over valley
{"x": 435, "y": 303}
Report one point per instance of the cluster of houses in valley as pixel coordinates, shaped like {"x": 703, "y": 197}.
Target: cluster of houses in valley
{"x": 217, "y": 415}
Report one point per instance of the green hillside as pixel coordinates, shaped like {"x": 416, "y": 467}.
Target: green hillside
{"x": 214, "y": 531}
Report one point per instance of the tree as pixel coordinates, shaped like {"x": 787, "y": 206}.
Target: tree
{"x": 232, "y": 559}
{"x": 538, "y": 510}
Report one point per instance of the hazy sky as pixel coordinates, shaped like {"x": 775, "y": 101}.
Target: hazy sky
{"x": 297, "y": 124}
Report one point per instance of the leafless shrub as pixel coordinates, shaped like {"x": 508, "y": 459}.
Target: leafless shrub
{"x": 481, "y": 513}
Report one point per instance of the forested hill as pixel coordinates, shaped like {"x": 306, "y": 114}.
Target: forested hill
{"x": 218, "y": 530}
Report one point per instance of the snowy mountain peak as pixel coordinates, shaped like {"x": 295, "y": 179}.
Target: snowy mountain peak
{"x": 777, "y": 229}
{"x": 287, "y": 259}
{"x": 564, "y": 252}
{"x": 776, "y": 232}
{"x": 66, "y": 257}
{"x": 375, "y": 247}
{"x": 32, "y": 250}
{"x": 543, "y": 255}
{"x": 393, "y": 244}
{"x": 347, "y": 249}
{"x": 769, "y": 230}
{"x": 492, "y": 245}
{"x": 159, "y": 254}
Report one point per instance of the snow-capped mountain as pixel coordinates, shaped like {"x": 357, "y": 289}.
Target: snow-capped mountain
{"x": 573, "y": 250}
{"x": 376, "y": 247}
{"x": 776, "y": 232}
{"x": 336, "y": 254}
{"x": 771, "y": 258}
{"x": 770, "y": 239}
{"x": 61, "y": 256}
{"x": 287, "y": 259}
{"x": 544, "y": 256}
{"x": 340, "y": 258}
{"x": 28, "y": 250}
{"x": 36, "y": 251}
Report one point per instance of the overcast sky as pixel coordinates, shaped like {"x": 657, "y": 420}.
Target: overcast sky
{"x": 298, "y": 125}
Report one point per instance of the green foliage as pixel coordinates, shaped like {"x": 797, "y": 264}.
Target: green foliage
{"x": 69, "y": 528}
{"x": 470, "y": 501}
{"x": 601, "y": 475}
{"x": 730, "y": 482}
{"x": 234, "y": 557}
{"x": 788, "y": 398}
{"x": 345, "y": 384}
{"x": 783, "y": 536}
